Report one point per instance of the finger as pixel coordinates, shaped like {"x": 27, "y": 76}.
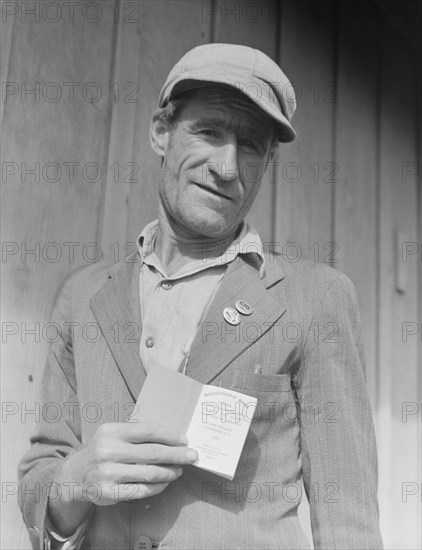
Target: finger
{"x": 110, "y": 450}
{"x": 132, "y": 491}
{"x": 139, "y": 473}
{"x": 154, "y": 453}
{"x": 145, "y": 432}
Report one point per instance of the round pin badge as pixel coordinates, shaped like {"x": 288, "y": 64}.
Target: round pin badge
{"x": 231, "y": 316}
{"x": 243, "y": 307}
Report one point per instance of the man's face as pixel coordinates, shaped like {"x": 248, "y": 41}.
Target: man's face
{"x": 214, "y": 159}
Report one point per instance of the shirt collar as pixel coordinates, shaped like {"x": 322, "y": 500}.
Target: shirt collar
{"x": 248, "y": 244}
{"x": 146, "y": 240}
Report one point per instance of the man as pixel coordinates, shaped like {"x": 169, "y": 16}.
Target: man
{"x": 114, "y": 484}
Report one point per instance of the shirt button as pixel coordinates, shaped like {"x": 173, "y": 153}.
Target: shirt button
{"x": 166, "y": 285}
{"x": 142, "y": 543}
{"x": 149, "y": 342}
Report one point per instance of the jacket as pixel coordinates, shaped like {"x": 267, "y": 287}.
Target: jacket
{"x": 312, "y": 431}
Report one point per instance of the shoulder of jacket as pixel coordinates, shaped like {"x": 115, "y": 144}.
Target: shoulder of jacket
{"x": 303, "y": 269}
{"x": 307, "y": 276}
{"x": 85, "y": 281}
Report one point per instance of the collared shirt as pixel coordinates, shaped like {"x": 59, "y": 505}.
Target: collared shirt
{"x": 173, "y": 307}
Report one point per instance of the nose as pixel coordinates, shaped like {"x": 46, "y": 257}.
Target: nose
{"x": 224, "y": 162}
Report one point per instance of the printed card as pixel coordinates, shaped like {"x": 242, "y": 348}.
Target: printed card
{"x": 216, "y": 420}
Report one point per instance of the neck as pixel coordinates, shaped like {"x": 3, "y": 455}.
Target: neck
{"x": 175, "y": 246}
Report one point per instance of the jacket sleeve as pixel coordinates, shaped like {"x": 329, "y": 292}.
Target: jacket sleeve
{"x": 339, "y": 457}
{"x": 58, "y": 432}
{"x": 54, "y": 541}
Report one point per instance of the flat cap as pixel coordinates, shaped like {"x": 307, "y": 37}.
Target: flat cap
{"x": 245, "y": 69}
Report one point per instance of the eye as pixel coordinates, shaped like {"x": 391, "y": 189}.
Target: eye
{"x": 250, "y": 145}
{"x": 208, "y": 132}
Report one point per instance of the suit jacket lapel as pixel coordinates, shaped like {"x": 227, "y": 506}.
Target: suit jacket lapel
{"x": 117, "y": 310}
{"x": 217, "y": 343}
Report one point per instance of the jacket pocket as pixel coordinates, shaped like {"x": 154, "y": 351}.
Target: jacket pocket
{"x": 275, "y": 398}
{"x": 258, "y": 382}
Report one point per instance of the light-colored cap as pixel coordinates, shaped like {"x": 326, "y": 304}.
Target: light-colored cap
{"x": 246, "y": 69}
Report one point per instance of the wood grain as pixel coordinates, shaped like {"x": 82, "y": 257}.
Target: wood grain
{"x": 399, "y": 378}
{"x": 356, "y": 199}
{"x": 305, "y": 176}
{"x": 35, "y": 213}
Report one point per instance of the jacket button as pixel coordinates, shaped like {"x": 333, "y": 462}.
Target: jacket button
{"x": 142, "y": 543}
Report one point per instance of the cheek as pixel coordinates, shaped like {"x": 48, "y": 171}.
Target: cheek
{"x": 252, "y": 174}
{"x": 249, "y": 199}
{"x": 182, "y": 159}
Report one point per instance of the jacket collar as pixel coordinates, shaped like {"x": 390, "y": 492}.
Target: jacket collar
{"x": 117, "y": 310}
{"x": 217, "y": 343}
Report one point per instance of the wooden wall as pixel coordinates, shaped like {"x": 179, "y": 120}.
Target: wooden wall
{"x": 347, "y": 192}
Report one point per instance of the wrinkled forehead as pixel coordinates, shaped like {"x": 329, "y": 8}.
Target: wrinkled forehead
{"x": 228, "y": 104}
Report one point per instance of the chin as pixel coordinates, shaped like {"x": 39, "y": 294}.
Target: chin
{"x": 210, "y": 226}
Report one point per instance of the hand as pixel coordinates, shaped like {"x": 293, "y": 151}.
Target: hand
{"x": 125, "y": 461}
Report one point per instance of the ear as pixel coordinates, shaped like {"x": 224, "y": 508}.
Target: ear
{"x": 159, "y": 135}
{"x": 271, "y": 155}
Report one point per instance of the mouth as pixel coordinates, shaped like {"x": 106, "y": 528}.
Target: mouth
{"x": 213, "y": 191}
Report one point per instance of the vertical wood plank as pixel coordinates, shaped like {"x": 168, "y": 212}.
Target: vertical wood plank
{"x": 58, "y": 132}
{"x": 113, "y": 221}
{"x": 355, "y": 222}
{"x": 307, "y": 170}
{"x": 6, "y": 33}
{"x": 252, "y": 24}
{"x": 398, "y": 433}
{"x": 167, "y": 31}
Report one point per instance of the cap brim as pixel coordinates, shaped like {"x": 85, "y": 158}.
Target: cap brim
{"x": 286, "y": 133}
